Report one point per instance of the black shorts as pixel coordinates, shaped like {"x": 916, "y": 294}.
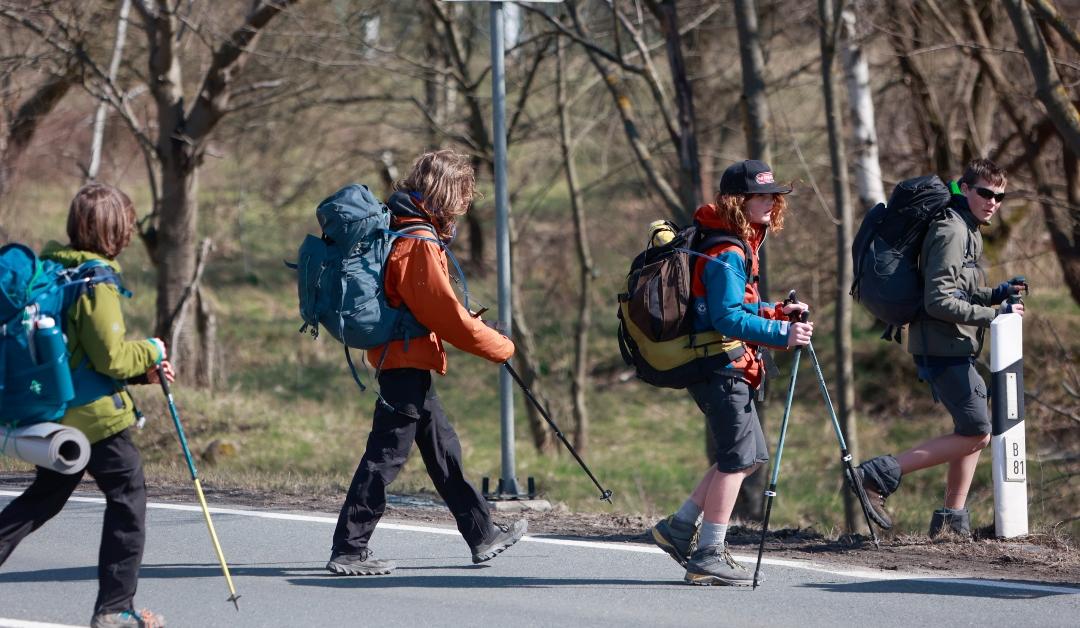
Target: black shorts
{"x": 959, "y": 387}
{"x": 728, "y": 404}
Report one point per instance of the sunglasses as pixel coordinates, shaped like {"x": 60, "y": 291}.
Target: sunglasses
{"x": 990, "y": 194}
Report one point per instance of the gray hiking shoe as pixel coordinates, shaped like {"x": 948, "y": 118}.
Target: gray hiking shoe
{"x": 128, "y": 619}
{"x": 675, "y": 537}
{"x": 958, "y": 523}
{"x": 499, "y": 539}
{"x": 874, "y": 502}
{"x": 715, "y": 565}
{"x": 363, "y": 563}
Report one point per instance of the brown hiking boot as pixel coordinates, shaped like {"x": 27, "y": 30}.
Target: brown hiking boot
{"x": 676, "y": 538}
{"x": 874, "y": 501}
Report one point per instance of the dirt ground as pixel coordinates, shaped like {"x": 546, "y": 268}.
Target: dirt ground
{"x": 1037, "y": 558}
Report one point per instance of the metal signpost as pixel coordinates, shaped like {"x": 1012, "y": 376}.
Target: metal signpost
{"x": 508, "y": 484}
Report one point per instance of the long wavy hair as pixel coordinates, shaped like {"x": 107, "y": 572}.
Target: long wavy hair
{"x": 101, "y": 219}
{"x": 445, "y": 182}
{"x": 731, "y": 208}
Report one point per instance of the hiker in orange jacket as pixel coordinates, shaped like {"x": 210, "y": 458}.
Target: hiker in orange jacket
{"x": 436, "y": 192}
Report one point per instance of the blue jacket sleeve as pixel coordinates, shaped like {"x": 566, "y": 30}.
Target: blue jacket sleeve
{"x": 725, "y": 285}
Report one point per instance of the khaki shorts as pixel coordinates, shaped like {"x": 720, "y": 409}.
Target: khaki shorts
{"x": 959, "y": 387}
{"x": 728, "y": 404}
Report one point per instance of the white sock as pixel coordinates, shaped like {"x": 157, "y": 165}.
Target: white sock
{"x": 712, "y": 534}
{"x": 688, "y": 513}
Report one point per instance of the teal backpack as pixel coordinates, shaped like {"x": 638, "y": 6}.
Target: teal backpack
{"x": 36, "y": 383}
{"x": 340, "y": 274}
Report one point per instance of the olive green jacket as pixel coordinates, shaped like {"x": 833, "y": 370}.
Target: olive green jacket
{"x": 955, "y": 296}
{"x": 95, "y": 332}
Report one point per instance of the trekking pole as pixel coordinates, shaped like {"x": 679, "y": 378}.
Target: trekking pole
{"x": 845, "y": 456}
{"x": 771, "y": 491}
{"x": 233, "y": 597}
{"x": 605, "y": 494}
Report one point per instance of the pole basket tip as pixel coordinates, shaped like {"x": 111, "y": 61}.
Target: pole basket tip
{"x": 235, "y": 599}
{"x": 605, "y": 496}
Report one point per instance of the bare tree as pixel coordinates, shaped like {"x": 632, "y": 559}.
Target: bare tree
{"x": 860, "y": 100}
{"x": 1049, "y": 88}
{"x": 22, "y": 118}
{"x": 579, "y": 381}
{"x": 755, "y": 106}
{"x": 182, "y": 133}
{"x": 829, "y": 36}
{"x": 103, "y": 106}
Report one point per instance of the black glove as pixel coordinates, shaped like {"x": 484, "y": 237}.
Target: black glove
{"x": 1009, "y": 288}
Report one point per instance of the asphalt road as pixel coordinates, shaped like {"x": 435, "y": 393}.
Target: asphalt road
{"x": 277, "y": 561}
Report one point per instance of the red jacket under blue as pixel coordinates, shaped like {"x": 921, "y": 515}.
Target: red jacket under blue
{"x": 725, "y": 301}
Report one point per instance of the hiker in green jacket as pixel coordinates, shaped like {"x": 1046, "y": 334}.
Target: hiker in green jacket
{"x": 100, "y": 223}
{"x": 945, "y": 343}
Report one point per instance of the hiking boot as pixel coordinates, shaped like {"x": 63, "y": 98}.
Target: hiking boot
{"x": 957, "y": 521}
{"x": 363, "y": 563}
{"x": 128, "y": 619}
{"x": 715, "y": 565}
{"x": 874, "y": 502}
{"x": 500, "y": 538}
{"x": 675, "y": 537}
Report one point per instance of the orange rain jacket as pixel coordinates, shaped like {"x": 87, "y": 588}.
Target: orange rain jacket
{"x": 417, "y": 276}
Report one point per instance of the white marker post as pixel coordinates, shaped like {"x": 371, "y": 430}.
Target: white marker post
{"x": 1007, "y": 412}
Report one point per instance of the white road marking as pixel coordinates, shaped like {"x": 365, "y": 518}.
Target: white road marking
{"x": 862, "y": 574}
{"x": 19, "y": 623}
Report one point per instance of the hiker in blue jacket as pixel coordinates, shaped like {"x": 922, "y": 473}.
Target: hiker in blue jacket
{"x": 749, "y": 204}
{"x": 944, "y": 344}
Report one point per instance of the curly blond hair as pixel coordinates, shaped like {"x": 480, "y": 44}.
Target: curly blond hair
{"x": 446, "y": 183}
{"x": 731, "y": 208}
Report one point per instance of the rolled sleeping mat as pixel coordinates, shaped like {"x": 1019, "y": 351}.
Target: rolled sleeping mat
{"x": 49, "y": 445}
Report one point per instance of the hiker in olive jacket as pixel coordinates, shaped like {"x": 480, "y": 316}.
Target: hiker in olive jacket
{"x": 100, "y": 223}
{"x": 945, "y": 342}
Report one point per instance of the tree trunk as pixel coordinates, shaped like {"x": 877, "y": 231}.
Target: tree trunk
{"x": 579, "y": 379}
{"x": 21, "y": 130}
{"x": 860, "y": 99}
{"x": 102, "y": 108}
{"x": 756, "y": 115}
{"x": 842, "y": 199}
{"x": 623, "y": 101}
{"x": 686, "y": 146}
{"x": 175, "y": 256}
{"x": 1049, "y": 88}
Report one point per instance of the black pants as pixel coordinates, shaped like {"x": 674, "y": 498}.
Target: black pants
{"x": 417, "y": 416}
{"x": 117, "y": 468}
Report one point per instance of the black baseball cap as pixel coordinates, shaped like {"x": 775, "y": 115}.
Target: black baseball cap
{"x": 750, "y": 177}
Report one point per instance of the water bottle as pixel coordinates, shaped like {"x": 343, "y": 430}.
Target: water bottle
{"x": 52, "y": 353}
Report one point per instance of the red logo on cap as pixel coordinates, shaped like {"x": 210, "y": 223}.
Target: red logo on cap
{"x": 764, "y": 177}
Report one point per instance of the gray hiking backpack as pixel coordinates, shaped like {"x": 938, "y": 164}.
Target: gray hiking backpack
{"x": 340, "y": 273}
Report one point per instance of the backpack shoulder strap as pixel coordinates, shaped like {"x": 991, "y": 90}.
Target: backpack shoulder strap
{"x": 708, "y": 239}
{"x": 79, "y": 280}
{"x": 409, "y": 231}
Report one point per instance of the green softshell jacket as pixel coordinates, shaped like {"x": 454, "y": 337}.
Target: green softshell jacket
{"x": 955, "y": 296}
{"x": 95, "y": 332}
